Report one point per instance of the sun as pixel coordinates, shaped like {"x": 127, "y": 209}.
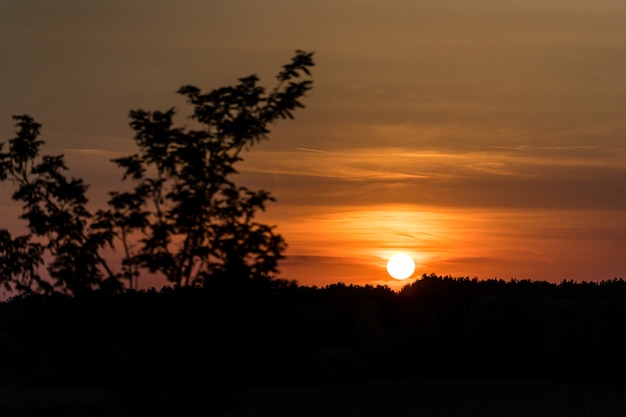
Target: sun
{"x": 400, "y": 266}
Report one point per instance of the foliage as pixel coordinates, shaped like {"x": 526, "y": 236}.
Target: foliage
{"x": 185, "y": 217}
{"x": 193, "y": 219}
{"x": 19, "y": 262}
{"x": 59, "y": 223}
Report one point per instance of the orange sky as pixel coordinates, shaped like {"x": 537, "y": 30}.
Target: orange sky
{"x": 487, "y": 139}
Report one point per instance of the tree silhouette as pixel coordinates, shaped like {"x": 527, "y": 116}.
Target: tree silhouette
{"x": 19, "y": 262}
{"x": 185, "y": 217}
{"x": 58, "y": 220}
{"x": 192, "y": 220}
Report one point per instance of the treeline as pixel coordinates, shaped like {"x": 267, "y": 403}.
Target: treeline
{"x": 251, "y": 332}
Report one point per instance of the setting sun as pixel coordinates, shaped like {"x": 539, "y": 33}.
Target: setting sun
{"x": 400, "y": 266}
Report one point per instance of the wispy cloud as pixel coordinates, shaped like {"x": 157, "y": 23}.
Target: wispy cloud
{"x": 311, "y": 150}
{"x": 408, "y": 163}
{"x": 105, "y": 153}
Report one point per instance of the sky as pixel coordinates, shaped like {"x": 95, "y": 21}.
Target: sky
{"x": 484, "y": 138}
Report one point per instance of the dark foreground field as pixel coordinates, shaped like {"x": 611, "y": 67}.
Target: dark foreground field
{"x": 365, "y": 399}
{"x": 434, "y": 399}
{"x": 439, "y": 347}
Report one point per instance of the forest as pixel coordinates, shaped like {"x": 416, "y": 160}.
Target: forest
{"x": 184, "y": 343}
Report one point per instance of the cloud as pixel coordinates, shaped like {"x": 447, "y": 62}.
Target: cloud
{"x": 549, "y": 177}
{"x": 104, "y": 153}
{"x": 311, "y": 150}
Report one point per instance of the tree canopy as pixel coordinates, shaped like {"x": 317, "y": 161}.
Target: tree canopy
{"x": 184, "y": 217}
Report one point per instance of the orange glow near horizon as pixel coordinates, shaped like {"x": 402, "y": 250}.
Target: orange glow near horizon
{"x": 352, "y": 246}
{"x": 366, "y": 238}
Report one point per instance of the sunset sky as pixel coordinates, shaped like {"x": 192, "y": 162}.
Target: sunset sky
{"x": 485, "y": 138}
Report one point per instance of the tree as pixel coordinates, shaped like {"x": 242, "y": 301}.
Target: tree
{"x": 185, "y": 217}
{"x": 192, "y": 220}
{"x": 19, "y": 262}
{"x": 58, "y": 221}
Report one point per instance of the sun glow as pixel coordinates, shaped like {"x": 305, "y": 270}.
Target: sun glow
{"x": 400, "y": 266}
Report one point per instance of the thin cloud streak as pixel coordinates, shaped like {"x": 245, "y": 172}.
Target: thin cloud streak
{"x": 477, "y": 179}
{"x": 381, "y": 162}
{"x": 311, "y": 150}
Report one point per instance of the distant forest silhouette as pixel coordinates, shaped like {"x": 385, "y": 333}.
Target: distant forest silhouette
{"x": 187, "y": 343}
